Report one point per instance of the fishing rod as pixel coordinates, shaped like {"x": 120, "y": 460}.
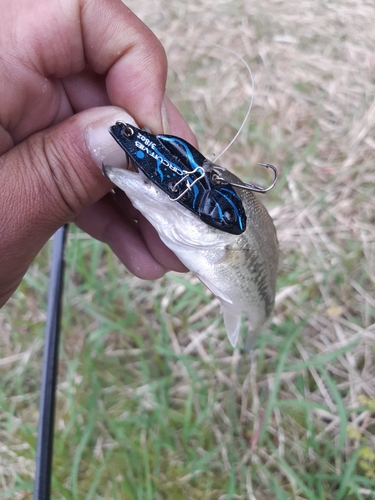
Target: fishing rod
{"x": 43, "y": 473}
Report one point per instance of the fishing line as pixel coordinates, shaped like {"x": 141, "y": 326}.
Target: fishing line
{"x": 217, "y": 168}
{"x": 216, "y": 157}
{"x": 42, "y": 484}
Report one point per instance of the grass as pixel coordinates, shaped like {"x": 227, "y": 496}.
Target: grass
{"x": 153, "y": 403}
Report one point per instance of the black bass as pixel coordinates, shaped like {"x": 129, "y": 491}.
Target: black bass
{"x": 240, "y": 270}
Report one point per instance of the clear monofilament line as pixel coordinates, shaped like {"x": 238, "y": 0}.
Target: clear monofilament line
{"x": 251, "y": 99}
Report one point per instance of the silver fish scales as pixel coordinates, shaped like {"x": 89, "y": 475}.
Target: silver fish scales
{"x": 240, "y": 270}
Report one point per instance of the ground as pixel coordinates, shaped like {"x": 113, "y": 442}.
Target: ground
{"x": 153, "y": 403}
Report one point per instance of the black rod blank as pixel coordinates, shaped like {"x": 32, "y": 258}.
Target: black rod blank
{"x": 42, "y": 484}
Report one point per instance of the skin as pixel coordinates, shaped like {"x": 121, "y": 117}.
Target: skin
{"x": 62, "y": 65}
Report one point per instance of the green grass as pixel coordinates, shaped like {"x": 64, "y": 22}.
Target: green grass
{"x": 140, "y": 418}
{"x": 152, "y": 401}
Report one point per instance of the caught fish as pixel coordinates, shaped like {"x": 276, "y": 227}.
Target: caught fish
{"x": 240, "y": 269}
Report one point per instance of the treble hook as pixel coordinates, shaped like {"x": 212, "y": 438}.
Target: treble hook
{"x": 249, "y": 185}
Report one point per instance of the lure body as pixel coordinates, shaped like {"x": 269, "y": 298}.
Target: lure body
{"x": 239, "y": 269}
{"x": 182, "y": 172}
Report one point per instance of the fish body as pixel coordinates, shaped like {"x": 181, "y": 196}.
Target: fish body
{"x": 240, "y": 269}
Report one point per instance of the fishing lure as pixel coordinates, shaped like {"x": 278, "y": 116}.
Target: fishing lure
{"x": 189, "y": 178}
{"x": 182, "y": 172}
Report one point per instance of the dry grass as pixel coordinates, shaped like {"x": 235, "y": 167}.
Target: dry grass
{"x": 314, "y": 117}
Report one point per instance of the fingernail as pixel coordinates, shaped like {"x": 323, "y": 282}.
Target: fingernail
{"x": 101, "y": 144}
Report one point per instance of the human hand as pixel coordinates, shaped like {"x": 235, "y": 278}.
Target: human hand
{"x": 67, "y": 71}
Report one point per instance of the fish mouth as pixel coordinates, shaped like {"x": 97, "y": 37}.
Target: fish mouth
{"x": 131, "y": 166}
{"x": 107, "y": 170}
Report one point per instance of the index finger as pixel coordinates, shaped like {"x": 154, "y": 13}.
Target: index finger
{"x": 61, "y": 40}
{"x": 117, "y": 43}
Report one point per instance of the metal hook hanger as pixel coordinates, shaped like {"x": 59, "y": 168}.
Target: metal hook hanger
{"x": 188, "y": 184}
{"x": 248, "y": 185}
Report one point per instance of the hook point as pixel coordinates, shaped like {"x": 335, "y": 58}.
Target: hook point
{"x": 259, "y": 189}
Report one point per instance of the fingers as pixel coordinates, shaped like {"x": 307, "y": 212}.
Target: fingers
{"x": 150, "y": 237}
{"x": 118, "y": 44}
{"x": 47, "y": 181}
{"x": 157, "y": 248}
{"x": 74, "y": 55}
{"x": 86, "y": 90}
{"x": 51, "y": 178}
{"x": 60, "y": 40}
{"x": 131, "y": 237}
{"x": 105, "y": 222}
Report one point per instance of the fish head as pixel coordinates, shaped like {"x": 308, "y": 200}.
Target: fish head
{"x": 174, "y": 223}
{"x": 139, "y": 189}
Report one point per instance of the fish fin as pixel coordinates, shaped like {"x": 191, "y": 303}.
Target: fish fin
{"x": 214, "y": 289}
{"x": 253, "y": 334}
{"x": 251, "y": 338}
{"x": 232, "y": 322}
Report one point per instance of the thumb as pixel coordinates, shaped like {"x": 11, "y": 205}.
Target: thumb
{"x": 47, "y": 180}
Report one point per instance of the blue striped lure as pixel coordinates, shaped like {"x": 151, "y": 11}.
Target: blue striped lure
{"x": 182, "y": 172}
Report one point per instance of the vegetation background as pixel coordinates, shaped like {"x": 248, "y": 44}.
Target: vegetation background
{"x": 153, "y": 403}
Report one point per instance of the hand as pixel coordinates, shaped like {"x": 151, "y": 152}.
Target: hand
{"x": 67, "y": 71}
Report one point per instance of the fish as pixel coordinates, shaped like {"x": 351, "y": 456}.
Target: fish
{"x": 240, "y": 270}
